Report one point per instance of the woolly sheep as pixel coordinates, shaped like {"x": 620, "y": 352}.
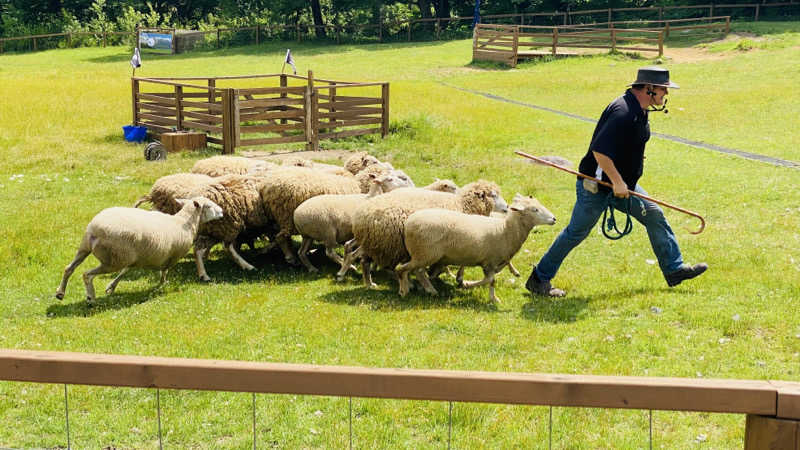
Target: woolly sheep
{"x": 352, "y": 253}
{"x": 367, "y": 175}
{"x": 328, "y": 218}
{"x": 378, "y": 224}
{"x": 440, "y": 237}
{"x": 286, "y": 188}
{"x": 121, "y": 238}
{"x": 224, "y": 164}
{"x": 240, "y": 199}
{"x": 360, "y": 161}
{"x": 166, "y": 190}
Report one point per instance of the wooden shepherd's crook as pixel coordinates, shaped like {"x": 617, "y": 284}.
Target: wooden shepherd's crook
{"x": 636, "y": 194}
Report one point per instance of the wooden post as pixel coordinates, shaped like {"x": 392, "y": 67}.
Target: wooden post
{"x": 258, "y": 28}
{"x": 309, "y": 114}
{"x": 283, "y": 94}
{"x": 297, "y": 30}
{"x": 235, "y": 119}
{"x": 555, "y": 40}
{"x": 666, "y": 30}
{"x": 34, "y": 44}
{"x": 613, "y": 38}
{"x": 104, "y": 39}
{"x": 661, "y": 13}
{"x": 438, "y": 27}
{"x": 410, "y": 22}
{"x": 212, "y": 98}
{"x": 69, "y": 40}
{"x": 515, "y": 48}
{"x": 134, "y": 97}
{"x": 332, "y": 100}
{"x": 218, "y": 38}
{"x": 179, "y": 107}
{"x": 173, "y": 42}
{"x": 711, "y": 10}
{"x": 380, "y": 29}
{"x": 227, "y": 120}
{"x": 609, "y": 15}
{"x": 728, "y": 24}
{"x": 661, "y": 44}
{"x": 385, "y": 107}
{"x": 770, "y": 433}
{"x": 565, "y": 18}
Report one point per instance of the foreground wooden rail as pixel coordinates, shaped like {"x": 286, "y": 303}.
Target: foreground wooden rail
{"x": 773, "y": 407}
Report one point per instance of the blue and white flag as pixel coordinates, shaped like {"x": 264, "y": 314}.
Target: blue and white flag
{"x": 476, "y": 15}
{"x": 136, "y": 60}
{"x": 289, "y": 60}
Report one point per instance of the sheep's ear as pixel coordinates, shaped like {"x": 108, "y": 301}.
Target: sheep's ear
{"x": 197, "y": 204}
{"x": 181, "y": 201}
{"x": 372, "y": 176}
{"x": 517, "y": 196}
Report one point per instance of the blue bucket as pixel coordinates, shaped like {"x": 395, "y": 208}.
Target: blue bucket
{"x": 134, "y": 133}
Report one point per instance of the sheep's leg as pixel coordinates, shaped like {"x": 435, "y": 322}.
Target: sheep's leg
{"x": 88, "y": 280}
{"x": 512, "y": 269}
{"x": 231, "y": 247}
{"x": 366, "y": 273}
{"x": 330, "y": 251}
{"x": 163, "y": 279}
{"x": 402, "y": 275}
{"x": 347, "y": 262}
{"x": 302, "y": 253}
{"x": 422, "y": 277}
{"x": 488, "y": 277}
{"x": 493, "y": 298}
{"x": 199, "y": 254}
{"x": 460, "y": 276}
{"x": 286, "y": 247}
{"x": 79, "y": 258}
{"x": 113, "y": 285}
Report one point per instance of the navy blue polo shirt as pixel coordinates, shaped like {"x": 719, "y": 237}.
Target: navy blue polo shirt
{"x": 621, "y": 134}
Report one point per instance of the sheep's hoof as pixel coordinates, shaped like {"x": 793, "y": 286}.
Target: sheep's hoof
{"x": 89, "y": 301}
{"x": 109, "y": 291}
{"x": 248, "y": 268}
{"x": 60, "y": 295}
{"x": 372, "y": 286}
{"x": 205, "y": 278}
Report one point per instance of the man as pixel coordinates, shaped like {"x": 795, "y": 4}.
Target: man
{"x": 616, "y": 155}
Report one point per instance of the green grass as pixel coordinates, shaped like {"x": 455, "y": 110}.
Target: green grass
{"x": 61, "y": 116}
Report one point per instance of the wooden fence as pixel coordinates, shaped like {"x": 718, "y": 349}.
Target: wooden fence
{"x": 279, "y": 108}
{"x": 772, "y": 407}
{"x": 510, "y": 43}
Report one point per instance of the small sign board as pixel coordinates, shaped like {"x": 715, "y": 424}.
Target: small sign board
{"x": 156, "y": 41}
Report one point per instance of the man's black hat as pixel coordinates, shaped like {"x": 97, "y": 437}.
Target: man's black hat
{"x": 656, "y": 76}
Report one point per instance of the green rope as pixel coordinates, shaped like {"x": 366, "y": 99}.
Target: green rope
{"x": 610, "y": 224}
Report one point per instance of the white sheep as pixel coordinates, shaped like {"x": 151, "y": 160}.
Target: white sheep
{"x": 286, "y": 188}
{"x": 328, "y": 218}
{"x": 225, "y": 164}
{"x": 351, "y": 248}
{"x": 360, "y": 161}
{"x": 378, "y": 224}
{"x": 121, "y": 238}
{"x": 437, "y": 237}
{"x": 167, "y": 189}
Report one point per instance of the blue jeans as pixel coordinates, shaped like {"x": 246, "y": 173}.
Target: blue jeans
{"x": 588, "y": 209}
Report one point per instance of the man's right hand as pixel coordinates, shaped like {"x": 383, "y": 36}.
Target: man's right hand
{"x": 621, "y": 190}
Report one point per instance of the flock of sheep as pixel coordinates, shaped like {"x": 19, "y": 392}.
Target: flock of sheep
{"x": 372, "y": 209}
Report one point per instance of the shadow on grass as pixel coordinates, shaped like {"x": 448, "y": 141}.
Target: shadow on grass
{"x": 562, "y": 310}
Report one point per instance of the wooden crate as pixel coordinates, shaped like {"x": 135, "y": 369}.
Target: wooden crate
{"x": 183, "y": 140}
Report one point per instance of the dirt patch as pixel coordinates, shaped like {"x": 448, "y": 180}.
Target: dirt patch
{"x": 320, "y": 155}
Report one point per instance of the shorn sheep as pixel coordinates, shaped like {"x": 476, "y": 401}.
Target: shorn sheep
{"x": 378, "y": 224}
{"x": 239, "y": 197}
{"x": 286, "y": 188}
{"x": 121, "y": 238}
{"x": 167, "y": 189}
{"x": 436, "y": 237}
{"x": 328, "y": 218}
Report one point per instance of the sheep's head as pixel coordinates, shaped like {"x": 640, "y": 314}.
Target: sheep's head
{"x": 208, "y": 210}
{"x": 482, "y": 197}
{"x": 360, "y": 161}
{"x": 530, "y": 207}
{"x": 448, "y": 186}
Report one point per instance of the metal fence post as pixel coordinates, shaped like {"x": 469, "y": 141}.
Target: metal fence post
{"x": 66, "y": 416}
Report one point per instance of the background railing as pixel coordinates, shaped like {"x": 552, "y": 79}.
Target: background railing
{"x": 772, "y": 407}
{"x": 398, "y": 30}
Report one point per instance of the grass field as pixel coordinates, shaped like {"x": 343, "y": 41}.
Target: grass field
{"x": 64, "y": 160}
